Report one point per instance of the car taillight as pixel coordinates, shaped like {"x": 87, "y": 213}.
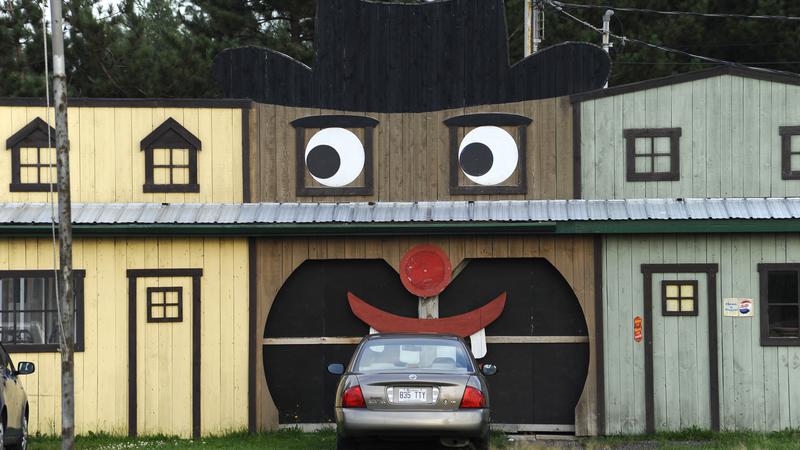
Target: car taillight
{"x": 473, "y": 398}
{"x": 352, "y": 398}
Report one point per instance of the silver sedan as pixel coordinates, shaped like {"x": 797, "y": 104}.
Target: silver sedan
{"x": 412, "y": 386}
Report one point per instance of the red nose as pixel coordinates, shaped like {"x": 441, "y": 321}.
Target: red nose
{"x": 425, "y": 270}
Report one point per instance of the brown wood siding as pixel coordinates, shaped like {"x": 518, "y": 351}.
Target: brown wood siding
{"x": 572, "y": 256}
{"x": 411, "y": 153}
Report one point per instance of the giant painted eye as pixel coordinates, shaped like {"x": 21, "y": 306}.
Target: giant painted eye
{"x": 334, "y": 157}
{"x": 488, "y": 155}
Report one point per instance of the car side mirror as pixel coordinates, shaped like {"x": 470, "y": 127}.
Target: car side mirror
{"x": 488, "y": 369}
{"x": 25, "y": 368}
{"x": 336, "y": 369}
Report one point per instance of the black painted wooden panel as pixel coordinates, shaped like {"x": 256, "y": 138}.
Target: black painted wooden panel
{"x": 385, "y": 57}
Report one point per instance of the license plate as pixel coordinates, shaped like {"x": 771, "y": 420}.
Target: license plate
{"x": 412, "y": 395}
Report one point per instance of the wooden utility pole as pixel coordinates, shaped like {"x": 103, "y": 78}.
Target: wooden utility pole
{"x": 65, "y": 294}
{"x": 534, "y": 26}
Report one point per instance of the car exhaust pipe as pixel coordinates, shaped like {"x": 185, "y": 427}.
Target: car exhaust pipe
{"x": 452, "y": 442}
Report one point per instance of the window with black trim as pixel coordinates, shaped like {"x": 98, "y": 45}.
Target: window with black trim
{"x": 33, "y": 158}
{"x": 790, "y": 152}
{"x": 29, "y": 319}
{"x": 779, "y": 305}
{"x": 170, "y": 159}
{"x": 487, "y": 153}
{"x": 679, "y": 297}
{"x": 165, "y": 304}
{"x": 334, "y": 155}
{"x": 652, "y": 154}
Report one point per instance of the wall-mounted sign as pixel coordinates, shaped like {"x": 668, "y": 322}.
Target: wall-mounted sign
{"x": 637, "y": 329}
{"x": 737, "y": 307}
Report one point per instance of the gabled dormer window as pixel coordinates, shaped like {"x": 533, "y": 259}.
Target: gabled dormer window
{"x": 33, "y": 158}
{"x": 170, "y": 159}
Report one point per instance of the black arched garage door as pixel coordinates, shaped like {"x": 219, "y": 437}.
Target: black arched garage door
{"x": 539, "y": 342}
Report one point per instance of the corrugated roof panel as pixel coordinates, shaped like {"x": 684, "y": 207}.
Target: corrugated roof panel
{"x": 209, "y": 214}
{"x": 793, "y": 205}
{"x": 636, "y": 209}
{"x": 247, "y": 214}
{"x": 441, "y": 211}
{"x": 402, "y": 212}
{"x": 696, "y": 208}
{"x": 286, "y": 213}
{"x": 716, "y": 208}
{"x": 88, "y": 214}
{"x": 518, "y": 210}
{"x": 362, "y": 212}
{"x": 9, "y": 211}
{"x": 537, "y": 211}
{"x": 676, "y": 209}
{"x": 343, "y": 212}
{"x": 382, "y": 212}
{"x": 421, "y": 212}
{"x": 131, "y": 213}
{"x": 187, "y": 213}
{"x": 757, "y": 208}
{"x": 617, "y": 209}
{"x": 110, "y": 213}
{"x": 480, "y": 211}
{"x": 557, "y": 210}
{"x": 460, "y": 211}
{"x": 228, "y": 214}
{"x": 267, "y": 212}
{"x": 47, "y": 214}
{"x": 576, "y": 210}
{"x": 656, "y": 209}
{"x": 167, "y": 214}
{"x": 499, "y": 211}
{"x": 778, "y": 209}
{"x": 306, "y": 212}
{"x": 149, "y": 213}
{"x": 325, "y": 212}
{"x": 596, "y": 210}
{"x": 736, "y": 208}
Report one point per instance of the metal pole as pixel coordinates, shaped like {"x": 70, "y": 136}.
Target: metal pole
{"x": 65, "y": 295}
{"x": 533, "y": 29}
{"x": 607, "y": 33}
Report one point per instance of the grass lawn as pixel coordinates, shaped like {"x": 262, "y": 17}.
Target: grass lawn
{"x": 291, "y": 439}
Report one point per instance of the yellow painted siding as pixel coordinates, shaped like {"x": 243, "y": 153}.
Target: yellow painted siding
{"x": 164, "y": 351}
{"x": 107, "y": 164}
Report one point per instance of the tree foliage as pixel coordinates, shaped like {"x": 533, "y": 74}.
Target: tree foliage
{"x": 164, "y": 48}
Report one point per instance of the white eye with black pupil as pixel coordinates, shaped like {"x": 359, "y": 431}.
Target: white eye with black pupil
{"x": 334, "y": 157}
{"x": 488, "y": 155}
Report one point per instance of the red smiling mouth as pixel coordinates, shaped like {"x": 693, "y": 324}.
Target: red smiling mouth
{"x": 461, "y": 325}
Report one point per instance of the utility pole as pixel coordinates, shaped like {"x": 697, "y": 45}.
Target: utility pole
{"x": 607, "y": 33}
{"x": 534, "y": 26}
{"x": 65, "y": 294}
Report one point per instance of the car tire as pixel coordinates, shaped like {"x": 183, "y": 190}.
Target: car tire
{"x": 23, "y": 441}
{"x": 2, "y": 435}
{"x": 343, "y": 443}
{"x": 481, "y": 444}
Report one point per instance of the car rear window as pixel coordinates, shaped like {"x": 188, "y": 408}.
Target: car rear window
{"x": 380, "y": 355}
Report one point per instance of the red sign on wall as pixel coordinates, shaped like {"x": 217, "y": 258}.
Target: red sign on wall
{"x": 637, "y": 329}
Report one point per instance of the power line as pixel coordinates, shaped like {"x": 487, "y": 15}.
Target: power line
{"x": 678, "y": 13}
{"x": 761, "y": 63}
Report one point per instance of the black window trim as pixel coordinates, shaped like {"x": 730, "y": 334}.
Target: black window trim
{"x": 78, "y": 289}
{"x": 786, "y": 134}
{"x": 155, "y": 140}
{"x": 163, "y": 306}
{"x": 763, "y": 304}
{"x": 679, "y": 283}
{"x": 631, "y": 134}
{"x": 32, "y": 135}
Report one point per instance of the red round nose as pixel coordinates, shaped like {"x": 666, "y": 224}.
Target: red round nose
{"x": 425, "y": 270}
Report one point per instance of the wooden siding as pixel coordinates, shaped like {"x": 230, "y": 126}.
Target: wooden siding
{"x": 411, "y": 153}
{"x": 108, "y": 165}
{"x": 729, "y": 147}
{"x": 101, "y": 371}
{"x": 759, "y": 387}
{"x": 573, "y": 257}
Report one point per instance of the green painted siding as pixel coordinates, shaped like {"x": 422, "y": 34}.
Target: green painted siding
{"x": 729, "y": 146}
{"x": 759, "y": 386}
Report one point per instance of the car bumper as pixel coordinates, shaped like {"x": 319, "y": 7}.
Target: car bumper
{"x": 358, "y": 422}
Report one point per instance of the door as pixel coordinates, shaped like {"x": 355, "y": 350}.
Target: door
{"x": 164, "y": 338}
{"x": 13, "y": 397}
{"x": 680, "y": 350}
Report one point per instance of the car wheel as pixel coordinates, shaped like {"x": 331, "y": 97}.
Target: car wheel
{"x": 23, "y": 441}
{"x": 343, "y": 443}
{"x": 2, "y": 435}
{"x": 480, "y": 444}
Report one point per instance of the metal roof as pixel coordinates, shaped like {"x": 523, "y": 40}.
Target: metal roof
{"x": 512, "y": 211}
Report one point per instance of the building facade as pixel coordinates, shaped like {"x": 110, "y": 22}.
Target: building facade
{"x": 636, "y": 246}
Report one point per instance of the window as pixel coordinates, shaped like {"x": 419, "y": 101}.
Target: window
{"x": 334, "y": 155}
{"x": 29, "y": 320}
{"x": 487, "y": 153}
{"x": 170, "y": 159}
{"x": 679, "y": 298}
{"x": 33, "y": 158}
{"x": 780, "y": 304}
{"x": 165, "y": 304}
{"x": 790, "y": 152}
{"x": 652, "y": 154}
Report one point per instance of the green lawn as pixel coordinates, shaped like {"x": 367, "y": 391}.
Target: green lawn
{"x": 290, "y": 440}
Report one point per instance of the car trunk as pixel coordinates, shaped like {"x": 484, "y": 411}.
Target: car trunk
{"x": 413, "y": 391}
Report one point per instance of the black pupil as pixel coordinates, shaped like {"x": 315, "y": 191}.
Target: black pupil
{"x": 476, "y": 159}
{"x": 323, "y": 161}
